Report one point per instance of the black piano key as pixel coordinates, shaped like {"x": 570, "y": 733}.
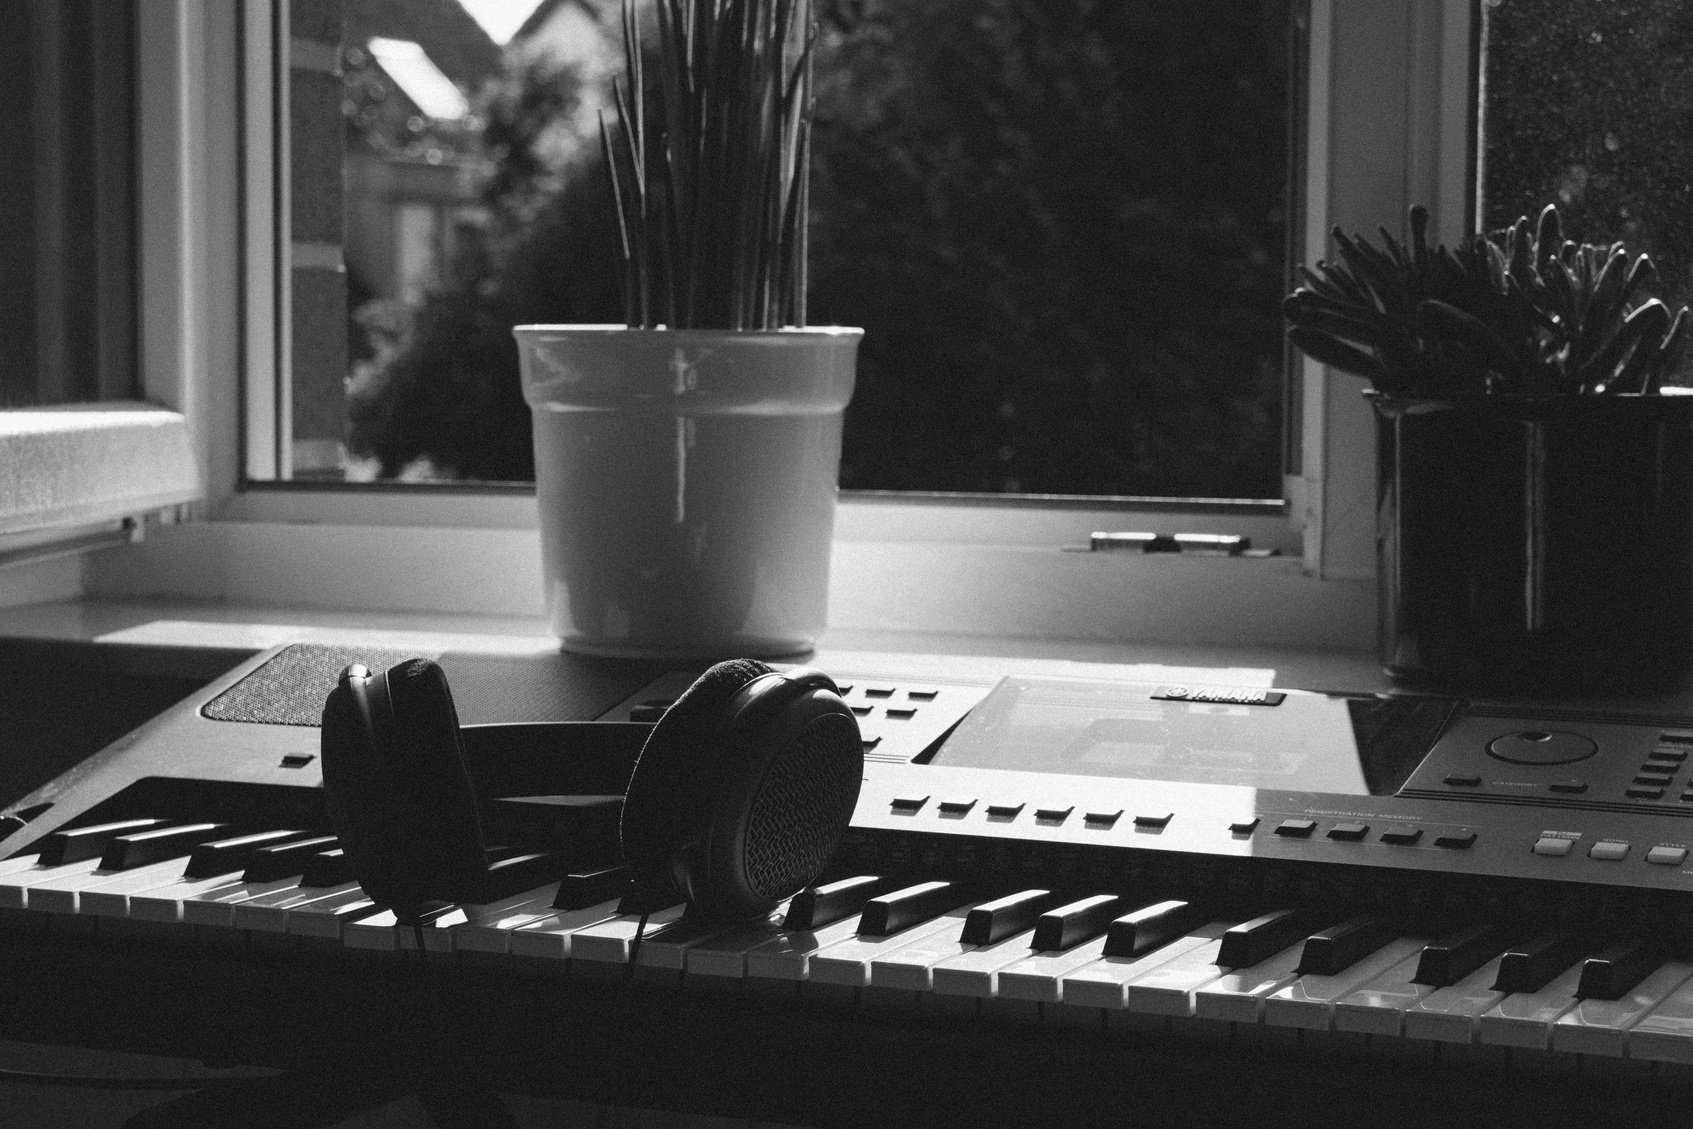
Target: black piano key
{"x": 285, "y": 860}
{"x": 77, "y": 844}
{"x": 142, "y": 847}
{"x": 1610, "y": 973}
{"x": 817, "y": 906}
{"x": 889, "y": 913}
{"x": 1070, "y": 925}
{"x": 1264, "y": 936}
{"x": 1448, "y": 959}
{"x": 591, "y": 887}
{"x": 516, "y": 873}
{"x": 1526, "y": 967}
{"x": 1149, "y": 927}
{"x": 994, "y": 921}
{"x": 1337, "y": 948}
{"x": 327, "y": 868}
{"x": 225, "y": 856}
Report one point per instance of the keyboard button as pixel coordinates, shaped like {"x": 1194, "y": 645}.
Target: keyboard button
{"x": 1154, "y": 819}
{"x": 1608, "y": 850}
{"x": 1455, "y": 840}
{"x": 1348, "y": 832}
{"x": 1402, "y": 836}
{"x": 1296, "y": 828}
{"x": 1551, "y": 847}
{"x": 1667, "y": 856}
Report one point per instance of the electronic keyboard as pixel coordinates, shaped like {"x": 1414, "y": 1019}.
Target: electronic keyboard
{"x": 1124, "y": 887}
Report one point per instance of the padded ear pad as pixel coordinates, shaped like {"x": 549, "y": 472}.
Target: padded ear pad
{"x": 399, "y": 792}
{"x": 742, "y": 791}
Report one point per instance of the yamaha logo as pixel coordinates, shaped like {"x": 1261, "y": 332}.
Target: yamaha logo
{"x": 1219, "y": 695}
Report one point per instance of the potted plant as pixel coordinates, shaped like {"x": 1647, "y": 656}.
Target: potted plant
{"x": 1534, "y": 468}
{"x": 686, "y": 461}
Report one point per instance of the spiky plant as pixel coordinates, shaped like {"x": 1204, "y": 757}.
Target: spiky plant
{"x": 1522, "y": 311}
{"x": 710, "y": 163}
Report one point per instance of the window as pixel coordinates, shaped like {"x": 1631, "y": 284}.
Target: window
{"x": 1389, "y": 90}
{"x": 80, "y": 455}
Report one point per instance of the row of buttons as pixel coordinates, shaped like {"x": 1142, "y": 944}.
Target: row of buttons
{"x": 958, "y": 807}
{"x": 1662, "y": 763}
{"x": 1609, "y": 850}
{"x": 1397, "y": 835}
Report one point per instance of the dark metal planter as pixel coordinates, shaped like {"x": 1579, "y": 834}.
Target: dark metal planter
{"x": 1536, "y": 546}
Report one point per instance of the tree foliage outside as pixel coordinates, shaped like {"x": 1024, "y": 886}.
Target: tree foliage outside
{"x": 1061, "y": 224}
{"x": 1589, "y": 105}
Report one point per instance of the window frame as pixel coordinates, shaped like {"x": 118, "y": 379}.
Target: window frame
{"x": 1390, "y": 91}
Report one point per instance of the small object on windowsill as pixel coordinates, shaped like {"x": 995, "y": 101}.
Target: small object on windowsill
{"x": 1203, "y": 544}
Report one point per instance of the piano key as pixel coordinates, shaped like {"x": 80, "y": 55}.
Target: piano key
{"x": 222, "y": 856}
{"x": 325, "y": 918}
{"x": 14, "y": 887}
{"x": 1105, "y": 983}
{"x": 966, "y": 970}
{"x": 1611, "y": 972}
{"x": 1148, "y": 927}
{"x": 994, "y": 921}
{"x": 328, "y": 868}
{"x": 112, "y": 898}
{"x": 1309, "y": 1001}
{"x": 268, "y": 913}
{"x": 666, "y": 950}
{"x": 586, "y": 888}
{"x": 216, "y": 907}
{"x": 1330, "y": 951}
{"x": 549, "y": 936}
{"x": 383, "y": 931}
{"x": 164, "y": 903}
{"x": 817, "y": 906}
{"x": 18, "y": 863}
{"x": 79, "y": 844}
{"x": 157, "y": 844}
{"x": 1524, "y": 1019}
{"x": 284, "y": 860}
{"x": 1665, "y": 1033}
{"x": 609, "y": 942}
{"x": 1450, "y": 958}
{"x": 1450, "y": 1014}
{"x": 847, "y": 962}
{"x": 1601, "y": 1026}
{"x": 1070, "y": 925}
{"x": 1529, "y": 965}
{"x": 787, "y": 956}
{"x": 1378, "y": 1007}
{"x": 724, "y": 957}
{"x": 61, "y": 894}
{"x": 1238, "y": 995}
{"x": 1264, "y": 936}
{"x": 1040, "y": 975}
{"x": 487, "y": 927}
{"x": 887, "y": 914}
{"x": 1168, "y": 987}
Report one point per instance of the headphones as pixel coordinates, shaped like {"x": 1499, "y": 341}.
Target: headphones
{"x": 736, "y": 801}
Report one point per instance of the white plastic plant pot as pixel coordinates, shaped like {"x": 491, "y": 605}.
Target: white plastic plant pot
{"x": 686, "y": 481}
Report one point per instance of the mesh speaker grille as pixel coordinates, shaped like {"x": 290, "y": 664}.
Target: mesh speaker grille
{"x": 802, "y": 806}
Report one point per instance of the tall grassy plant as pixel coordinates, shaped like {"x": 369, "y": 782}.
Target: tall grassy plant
{"x": 710, "y": 163}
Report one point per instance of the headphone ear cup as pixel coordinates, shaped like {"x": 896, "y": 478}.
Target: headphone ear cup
{"x": 661, "y": 808}
{"x": 405, "y": 809}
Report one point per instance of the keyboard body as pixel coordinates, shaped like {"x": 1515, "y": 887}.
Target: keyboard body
{"x": 309, "y": 1003}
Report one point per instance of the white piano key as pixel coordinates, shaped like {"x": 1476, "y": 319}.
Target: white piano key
{"x": 216, "y": 907}
{"x": 1309, "y": 1001}
{"x": 1665, "y": 1034}
{"x": 549, "y": 936}
{"x": 1601, "y": 1027}
{"x": 973, "y": 970}
{"x": 1040, "y": 976}
{"x": 74, "y": 895}
{"x": 786, "y": 956}
{"x": 377, "y": 932}
{"x": 725, "y": 955}
{"x": 1524, "y": 1019}
{"x": 1106, "y": 982}
{"x": 326, "y": 918}
{"x": 164, "y": 903}
{"x": 488, "y": 928}
{"x": 268, "y": 913}
{"x": 18, "y": 863}
{"x": 848, "y": 961}
{"x": 1167, "y": 988}
{"x": 1238, "y": 994}
{"x": 113, "y": 898}
{"x": 669, "y": 948}
{"x": 1451, "y": 1014}
{"x": 609, "y": 942}
{"x": 1378, "y": 1007}
{"x": 15, "y": 887}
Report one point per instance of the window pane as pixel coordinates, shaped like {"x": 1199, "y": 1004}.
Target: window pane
{"x": 66, "y": 279}
{"x": 1060, "y": 222}
{"x": 1589, "y": 104}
